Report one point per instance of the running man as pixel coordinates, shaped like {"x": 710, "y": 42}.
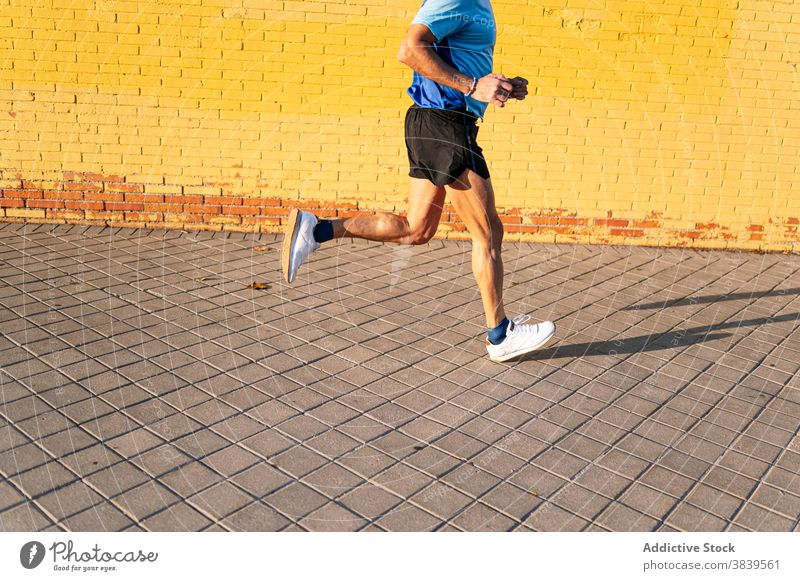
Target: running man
{"x": 450, "y": 47}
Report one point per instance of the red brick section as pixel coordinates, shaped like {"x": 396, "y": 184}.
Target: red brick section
{"x": 96, "y": 199}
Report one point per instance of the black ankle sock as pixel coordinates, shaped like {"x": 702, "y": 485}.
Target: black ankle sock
{"x": 323, "y": 231}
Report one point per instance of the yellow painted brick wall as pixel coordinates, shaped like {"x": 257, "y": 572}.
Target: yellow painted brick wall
{"x": 671, "y": 122}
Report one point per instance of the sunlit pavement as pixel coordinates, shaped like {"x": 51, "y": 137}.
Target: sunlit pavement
{"x": 145, "y": 386}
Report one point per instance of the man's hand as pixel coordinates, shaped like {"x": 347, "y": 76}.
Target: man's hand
{"x": 520, "y": 90}
{"x": 494, "y": 89}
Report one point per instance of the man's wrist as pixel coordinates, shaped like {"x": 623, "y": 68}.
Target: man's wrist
{"x": 472, "y": 87}
{"x": 463, "y": 82}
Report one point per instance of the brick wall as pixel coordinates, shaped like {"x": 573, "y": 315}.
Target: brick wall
{"x": 659, "y": 122}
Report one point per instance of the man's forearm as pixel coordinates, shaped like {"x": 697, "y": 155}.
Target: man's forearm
{"x": 418, "y": 53}
{"x": 424, "y": 60}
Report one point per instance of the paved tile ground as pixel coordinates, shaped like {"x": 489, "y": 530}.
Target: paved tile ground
{"x": 145, "y": 387}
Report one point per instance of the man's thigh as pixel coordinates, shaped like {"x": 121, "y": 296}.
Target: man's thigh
{"x": 425, "y": 203}
{"x": 473, "y": 198}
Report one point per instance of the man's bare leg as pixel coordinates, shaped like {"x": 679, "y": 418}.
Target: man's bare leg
{"x": 425, "y": 202}
{"x": 473, "y": 198}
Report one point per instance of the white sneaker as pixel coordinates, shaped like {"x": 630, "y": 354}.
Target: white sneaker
{"x": 298, "y": 242}
{"x": 521, "y": 339}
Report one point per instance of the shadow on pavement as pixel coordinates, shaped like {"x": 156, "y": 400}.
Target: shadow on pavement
{"x": 653, "y": 342}
{"x": 715, "y": 298}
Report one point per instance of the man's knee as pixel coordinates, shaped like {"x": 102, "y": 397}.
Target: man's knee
{"x": 491, "y": 235}
{"x": 420, "y": 234}
{"x": 497, "y": 230}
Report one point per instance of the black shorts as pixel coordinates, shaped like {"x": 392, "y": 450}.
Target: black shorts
{"x": 441, "y": 144}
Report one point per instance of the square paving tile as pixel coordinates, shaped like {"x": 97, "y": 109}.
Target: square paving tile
{"x": 370, "y": 501}
{"x": 178, "y": 517}
{"x": 481, "y": 518}
{"x": 407, "y": 517}
{"x": 220, "y": 500}
{"x": 146, "y": 499}
{"x": 295, "y": 500}
{"x": 101, "y": 517}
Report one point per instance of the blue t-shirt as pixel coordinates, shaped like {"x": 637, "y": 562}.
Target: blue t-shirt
{"x": 465, "y": 32}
